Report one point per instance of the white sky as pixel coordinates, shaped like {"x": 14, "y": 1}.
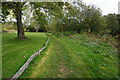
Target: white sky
{"x": 107, "y": 6}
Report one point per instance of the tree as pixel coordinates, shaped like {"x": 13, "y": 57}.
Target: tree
{"x": 40, "y": 20}
{"x": 112, "y": 23}
{"x": 44, "y": 12}
{"x": 118, "y": 18}
{"x": 19, "y": 21}
{"x": 26, "y": 16}
{"x": 17, "y": 8}
{"x": 80, "y": 17}
{"x": 52, "y": 8}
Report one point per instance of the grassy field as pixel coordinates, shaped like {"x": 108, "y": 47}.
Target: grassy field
{"x": 76, "y": 56}
{"x": 15, "y": 52}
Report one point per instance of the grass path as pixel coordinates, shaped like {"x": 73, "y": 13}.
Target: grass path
{"x": 53, "y": 64}
{"x": 67, "y": 58}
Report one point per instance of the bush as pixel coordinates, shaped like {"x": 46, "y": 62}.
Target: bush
{"x": 58, "y": 34}
{"x": 31, "y": 29}
{"x": 4, "y": 29}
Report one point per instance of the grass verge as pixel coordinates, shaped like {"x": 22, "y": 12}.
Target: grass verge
{"x": 15, "y": 52}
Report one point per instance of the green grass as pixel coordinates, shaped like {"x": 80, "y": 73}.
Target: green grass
{"x": 75, "y": 56}
{"x": 15, "y": 52}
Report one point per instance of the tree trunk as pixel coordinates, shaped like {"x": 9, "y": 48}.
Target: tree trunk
{"x": 19, "y": 21}
{"x": 78, "y": 30}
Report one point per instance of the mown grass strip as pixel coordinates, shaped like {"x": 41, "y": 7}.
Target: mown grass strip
{"x": 15, "y": 52}
{"x": 21, "y": 70}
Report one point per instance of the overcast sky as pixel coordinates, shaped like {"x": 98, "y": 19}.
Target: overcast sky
{"x": 107, "y": 6}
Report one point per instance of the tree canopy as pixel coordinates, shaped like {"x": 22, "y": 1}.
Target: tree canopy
{"x": 60, "y": 17}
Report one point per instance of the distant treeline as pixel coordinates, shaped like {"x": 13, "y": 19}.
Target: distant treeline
{"x": 74, "y": 17}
